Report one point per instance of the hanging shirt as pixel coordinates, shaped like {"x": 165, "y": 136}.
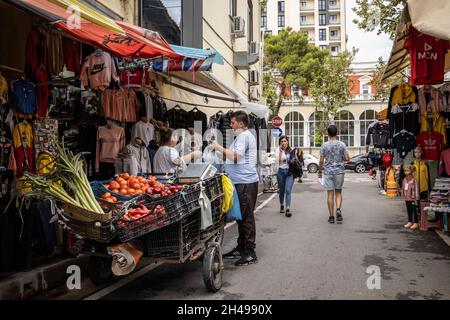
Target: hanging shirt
{"x": 145, "y": 131}
{"x": 435, "y": 100}
{"x": 3, "y": 88}
{"x": 23, "y": 147}
{"x": 437, "y": 123}
{"x": 72, "y": 54}
{"x": 36, "y": 51}
{"x": 131, "y": 78}
{"x": 404, "y": 117}
{"x": 444, "y": 163}
{"x": 110, "y": 141}
{"x": 403, "y": 94}
{"x": 98, "y": 70}
{"x": 42, "y": 92}
{"x": 404, "y": 142}
{"x": 432, "y": 144}
{"x": 149, "y": 106}
{"x": 24, "y": 96}
{"x": 427, "y": 55}
{"x": 140, "y": 153}
{"x": 378, "y": 134}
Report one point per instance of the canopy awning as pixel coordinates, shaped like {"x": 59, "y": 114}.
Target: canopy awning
{"x": 429, "y": 17}
{"x": 118, "y": 38}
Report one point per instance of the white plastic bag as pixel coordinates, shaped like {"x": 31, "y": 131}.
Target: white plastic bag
{"x": 206, "y": 213}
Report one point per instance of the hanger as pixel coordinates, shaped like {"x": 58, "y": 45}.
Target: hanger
{"x": 195, "y": 109}
{"x": 98, "y": 51}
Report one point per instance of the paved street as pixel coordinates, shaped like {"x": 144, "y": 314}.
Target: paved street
{"x": 304, "y": 257}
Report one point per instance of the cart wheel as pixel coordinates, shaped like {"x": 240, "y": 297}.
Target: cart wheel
{"x": 99, "y": 270}
{"x": 212, "y": 273}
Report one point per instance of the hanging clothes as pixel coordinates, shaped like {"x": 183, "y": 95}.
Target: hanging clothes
{"x": 24, "y": 96}
{"x": 378, "y": 134}
{"x": 55, "y": 64}
{"x": 434, "y": 103}
{"x": 159, "y": 108}
{"x": 110, "y": 141}
{"x": 177, "y": 118}
{"x": 72, "y": 52}
{"x": 23, "y": 148}
{"x": 36, "y": 50}
{"x": 432, "y": 144}
{"x": 427, "y": 56}
{"x": 196, "y": 115}
{"x": 404, "y": 117}
{"x": 131, "y": 78}
{"x": 403, "y": 94}
{"x": 119, "y": 105}
{"x": 42, "y": 92}
{"x": 444, "y": 163}
{"x": 437, "y": 124}
{"x": 3, "y": 88}
{"x": 98, "y": 70}
{"x": 143, "y": 130}
{"x": 422, "y": 174}
{"x": 404, "y": 142}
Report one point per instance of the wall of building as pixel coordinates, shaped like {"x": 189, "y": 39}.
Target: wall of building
{"x": 126, "y": 9}
{"x": 217, "y": 36}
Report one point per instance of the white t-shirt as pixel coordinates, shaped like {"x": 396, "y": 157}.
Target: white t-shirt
{"x": 244, "y": 171}
{"x": 166, "y": 160}
{"x": 283, "y": 161}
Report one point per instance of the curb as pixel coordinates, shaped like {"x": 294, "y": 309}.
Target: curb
{"x": 443, "y": 236}
{"x": 23, "y": 285}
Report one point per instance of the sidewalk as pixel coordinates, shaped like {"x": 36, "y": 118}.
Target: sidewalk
{"x": 23, "y": 285}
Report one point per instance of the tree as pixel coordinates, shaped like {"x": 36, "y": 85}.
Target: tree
{"x": 330, "y": 88}
{"x": 382, "y": 15}
{"x": 270, "y": 93}
{"x": 293, "y": 56}
{"x": 383, "y": 87}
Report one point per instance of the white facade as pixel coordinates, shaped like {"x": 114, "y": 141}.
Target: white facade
{"x": 217, "y": 35}
{"x": 322, "y": 20}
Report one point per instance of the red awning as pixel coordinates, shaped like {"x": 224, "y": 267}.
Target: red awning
{"x": 132, "y": 42}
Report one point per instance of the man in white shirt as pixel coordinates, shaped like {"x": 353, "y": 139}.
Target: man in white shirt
{"x": 240, "y": 165}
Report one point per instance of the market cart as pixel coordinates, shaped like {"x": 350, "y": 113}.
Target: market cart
{"x": 174, "y": 237}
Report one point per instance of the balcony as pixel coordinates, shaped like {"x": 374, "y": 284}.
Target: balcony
{"x": 307, "y": 8}
{"x": 334, "y": 8}
{"x": 335, "y": 38}
{"x": 307, "y": 23}
{"x": 334, "y": 22}
{"x": 365, "y": 96}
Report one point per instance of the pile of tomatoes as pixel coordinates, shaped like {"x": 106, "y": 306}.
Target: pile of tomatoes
{"x": 129, "y": 185}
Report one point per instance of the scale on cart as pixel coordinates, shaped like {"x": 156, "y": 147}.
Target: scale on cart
{"x": 196, "y": 172}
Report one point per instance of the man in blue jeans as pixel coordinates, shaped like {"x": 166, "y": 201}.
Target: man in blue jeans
{"x": 333, "y": 153}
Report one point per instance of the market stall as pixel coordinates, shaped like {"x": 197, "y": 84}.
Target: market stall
{"x": 81, "y": 120}
{"x": 418, "y": 112}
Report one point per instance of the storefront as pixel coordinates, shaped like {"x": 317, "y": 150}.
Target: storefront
{"x": 418, "y": 112}
{"x": 96, "y": 86}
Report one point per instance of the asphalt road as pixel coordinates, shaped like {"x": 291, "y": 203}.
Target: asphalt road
{"x": 304, "y": 257}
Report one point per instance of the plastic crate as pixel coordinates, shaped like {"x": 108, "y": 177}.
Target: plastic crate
{"x": 164, "y": 211}
{"x": 173, "y": 240}
{"x": 213, "y": 187}
{"x": 98, "y": 187}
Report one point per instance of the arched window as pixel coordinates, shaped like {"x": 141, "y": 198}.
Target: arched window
{"x": 315, "y": 140}
{"x": 294, "y": 125}
{"x": 345, "y": 122}
{"x": 365, "y": 119}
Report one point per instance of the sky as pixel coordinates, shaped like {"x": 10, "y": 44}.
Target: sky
{"x": 370, "y": 45}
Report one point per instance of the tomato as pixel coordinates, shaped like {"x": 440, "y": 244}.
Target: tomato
{"x": 114, "y": 199}
{"x": 109, "y": 200}
{"x": 115, "y": 190}
{"x": 139, "y": 191}
{"x": 126, "y": 176}
{"x": 131, "y": 191}
{"x": 157, "y": 190}
{"x": 123, "y": 191}
{"x": 106, "y": 195}
{"x": 149, "y": 190}
{"x": 135, "y": 185}
{"x": 114, "y": 185}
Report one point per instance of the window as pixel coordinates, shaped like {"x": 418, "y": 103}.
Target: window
{"x": 250, "y": 21}
{"x": 302, "y": 19}
{"x": 264, "y": 10}
{"x": 302, "y": 4}
{"x": 322, "y": 34}
{"x": 333, "y": 34}
{"x": 321, "y": 47}
{"x": 345, "y": 122}
{"x": 315, "y": 138}
{"x": 263, "y": 21}
{"x": 368, "y": 117}
{"x": 268, "y": 32}
{"x": 332, "y": 3}
{"x": 366, "y": 90}
{"x": 333, "y": 18}
{"x": 165, "y": 17}
{"x": 322, "y": 5}
{"x": 334, "y": 49}
{"x": 281, "y": 21}
{"x": 294, "y": 125}
{"x": 280, "y": 6}
{"x": 322, "y": 19}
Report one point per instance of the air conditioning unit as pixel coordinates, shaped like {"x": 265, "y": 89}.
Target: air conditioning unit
{"x": 254, "y": 48}
{"x": 238, "y": 27}
{"x": 254, "y": 76}
{"x": 254, "y": 93}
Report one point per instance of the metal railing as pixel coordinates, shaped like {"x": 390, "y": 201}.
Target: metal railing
{"x": 334, "y": 8}
{"x": 306, "y": 23}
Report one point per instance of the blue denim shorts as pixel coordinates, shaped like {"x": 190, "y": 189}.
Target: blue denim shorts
{"x": 333, "y": 182}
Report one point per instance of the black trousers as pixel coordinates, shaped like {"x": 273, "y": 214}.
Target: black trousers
{"x": 107, "y": 170}
{"x": 412, "y": 211}
{"x": 247, "y": 194}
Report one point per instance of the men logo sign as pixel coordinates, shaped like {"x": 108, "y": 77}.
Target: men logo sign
{"x": 427, "y": 54}
{"x": 74, "y": 280}
{"x": 74, "y": 20}
{"x": 374, "y": 280}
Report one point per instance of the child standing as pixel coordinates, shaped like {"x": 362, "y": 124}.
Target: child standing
{"x": 411, "y": 195}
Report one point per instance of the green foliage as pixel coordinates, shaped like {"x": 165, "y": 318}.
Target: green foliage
{"x": 380, "y": 15}
{"x": 291, "y": 54}
{"x": 270, "y": 93}
{"x": 383, "y": 87}
{"x": 330, "y": 87}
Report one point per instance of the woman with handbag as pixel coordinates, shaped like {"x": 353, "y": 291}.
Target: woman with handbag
{"x": 288, "y": 169}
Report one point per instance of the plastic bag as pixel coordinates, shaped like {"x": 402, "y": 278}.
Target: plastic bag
{"x": 228, "y": 191}
{"x": 206, "y": 213}
{"x": 235, "y": 212}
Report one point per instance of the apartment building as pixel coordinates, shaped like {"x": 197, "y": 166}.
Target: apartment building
{"x": 231, "y": 27}
{"x": 323, "y": 21}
